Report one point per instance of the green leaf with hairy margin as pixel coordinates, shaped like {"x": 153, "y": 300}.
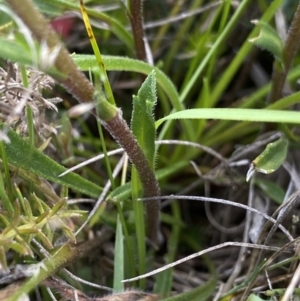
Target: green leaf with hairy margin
{"x": 21, "y": 154}
{"x": 88, "y": 62}
{"x": 268, "y": 39}
{"x": 142, "y": 122}
{"x": 270, "y": 159}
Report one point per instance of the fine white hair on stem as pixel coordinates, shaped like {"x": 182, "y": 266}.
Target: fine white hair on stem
{"x": 223, "y": 245}
{"x": 221, "y": 201}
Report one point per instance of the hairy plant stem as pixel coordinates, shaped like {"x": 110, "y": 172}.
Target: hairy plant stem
{"x": 119, "y": 129}
{"x": 135, "y": 16}
{"x": 77, "y": 84}
{"x": 290, "y": 48}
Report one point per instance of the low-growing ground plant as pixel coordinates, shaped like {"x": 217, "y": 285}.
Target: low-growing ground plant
{"x": 149, "y": 150}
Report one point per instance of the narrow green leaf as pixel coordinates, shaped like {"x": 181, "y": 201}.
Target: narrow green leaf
{"x": 4, "y": 197}
{"x": 255, "y": 115}
{"x": 268, "y": 39}
{"x": 119, "y": 258}
{"x": 3, "y": 258}
{"x": 142, "y": 122}
{"x": 21, "y": 247}
{"x": 271, "y": 189}
{"x": 164, "y": 280}
{"x": 201, "y": 293}
{"x": 21, "y": 154}
{"x": 270, "y": 159}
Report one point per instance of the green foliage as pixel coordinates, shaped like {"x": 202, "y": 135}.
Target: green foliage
{"x": 271, "y": 189}
{"x": 27, "y": 223}
{"x": 235, "y": 114}
{"x": 268, "y": 39}
{"x": 270, "y": 159}
{"x": 21, "y": 154}
{"x": 201, "y": 293}
{"x": 142, "y": 121}
{"x": 197, "y": 61}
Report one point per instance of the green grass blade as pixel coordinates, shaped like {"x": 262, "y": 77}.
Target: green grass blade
{"x": 7, "y": 179}
{"x": 240, "y": 56}
{"x": 7, "y": 206}
{"x": 138, "y": 208}
{"x": 119, "y": 258}
{"x": 200, "y": 293}
{"x": 255, "y": 115}
{"x": 165, "y": 279}
{"x": 214, "y": 48}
